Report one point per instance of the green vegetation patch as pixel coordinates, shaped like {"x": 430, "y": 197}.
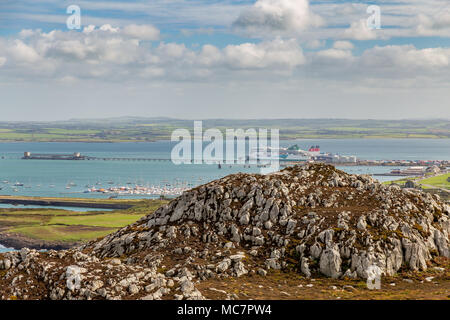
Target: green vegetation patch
{"x": 112, "y": 220}
{"x": 62, "y": 233}
{"x": 438, "y": 181}
{"x": 152, "y": 129}
{"x": 72, "y": 226}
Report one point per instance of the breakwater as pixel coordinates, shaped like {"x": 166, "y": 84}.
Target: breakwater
{"x": 283, "y": 162}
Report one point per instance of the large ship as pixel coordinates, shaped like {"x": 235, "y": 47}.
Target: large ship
{"x": 293, "y": 153}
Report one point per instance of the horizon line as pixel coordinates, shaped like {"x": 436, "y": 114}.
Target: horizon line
{"x": 219, "y": 118}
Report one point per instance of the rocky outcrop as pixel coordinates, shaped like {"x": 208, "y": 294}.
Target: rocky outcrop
{"x": 312, "y": 219}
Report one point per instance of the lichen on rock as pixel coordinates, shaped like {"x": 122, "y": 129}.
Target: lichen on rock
{"x": 312, "y": 219}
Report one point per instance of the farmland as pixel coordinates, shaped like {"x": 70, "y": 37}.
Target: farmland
{"x": 56, "y": 227}
{"x": 154, "y": 129}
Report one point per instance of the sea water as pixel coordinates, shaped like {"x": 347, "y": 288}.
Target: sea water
{"x": 51, "y": 178}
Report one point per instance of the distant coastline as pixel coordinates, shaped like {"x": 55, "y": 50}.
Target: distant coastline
{"x": 281, "y": 139}
{"x": 159, "y": 129}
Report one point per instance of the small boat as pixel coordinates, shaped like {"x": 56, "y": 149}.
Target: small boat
{"x": 18, "y": 184}
{"x": 51, "y": 186}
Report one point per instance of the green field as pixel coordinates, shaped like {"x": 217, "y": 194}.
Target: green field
{"x": 438, "y": 181}
{"x": 61, "y": 233}
{"x": 112, "y": 220}
{"x": 86, "y": 201}
{"x": 55, "y": 225}
{"x": 153, "y": 129}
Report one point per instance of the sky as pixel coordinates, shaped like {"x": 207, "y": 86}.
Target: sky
{"x": 198, "y": 59}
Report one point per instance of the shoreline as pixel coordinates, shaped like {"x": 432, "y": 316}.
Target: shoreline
{"x": 281, "y": 139}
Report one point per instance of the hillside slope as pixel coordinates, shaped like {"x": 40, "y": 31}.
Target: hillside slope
{"x": 312, "y": 220}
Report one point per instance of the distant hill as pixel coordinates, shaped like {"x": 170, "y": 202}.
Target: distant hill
{"x": 152, "y": 129}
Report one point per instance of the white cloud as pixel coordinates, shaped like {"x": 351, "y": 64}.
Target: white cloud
{"x": 152, "y": 72}
{"x": 390, "y": 66}
{"x": 112, "y": 54}
{"x": 172, "y": 50}
{"x": 109, "y": 54}
{"x": 210, "y": 55}
{"x": 335, "y": 54}
{"x": 142, "y": 32}
{"x": 330, "y": 19}
{"x": 358, "y": 30}
{"x": 268, "y": 54}
{"x": 23, "y": 53}
{"x": 25, "y": 33}
{"x": 108, "y": 27}
{"x": 315, "y": 44}
{"x": 278, "y": 16}
{"x": 119, "y": 55}
{"x": 434, "y": 25}
{"x": 407, "y": 58}
{"x": 340, "y": 57}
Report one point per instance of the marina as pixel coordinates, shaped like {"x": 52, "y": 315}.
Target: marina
{"x": 153, "y": 179}
{"x": 165, "y": 191}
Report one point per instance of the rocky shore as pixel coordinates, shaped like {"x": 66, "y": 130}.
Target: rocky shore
{"x": 312, "y": 220}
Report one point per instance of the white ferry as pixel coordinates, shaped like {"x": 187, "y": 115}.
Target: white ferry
{"x": 293, "y": 153}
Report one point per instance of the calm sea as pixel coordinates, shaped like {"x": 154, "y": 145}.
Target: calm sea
{"x": 50, "y": 178}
